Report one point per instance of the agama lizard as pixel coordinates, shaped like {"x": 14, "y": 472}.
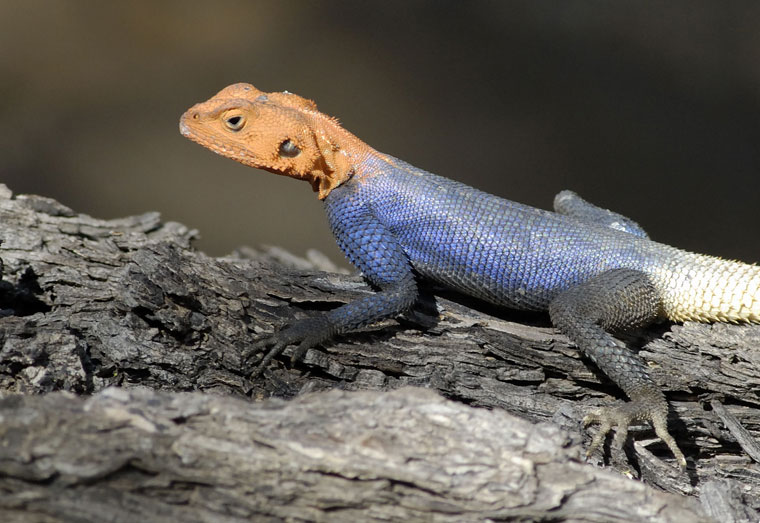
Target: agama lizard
{"x": 595, "y": 271}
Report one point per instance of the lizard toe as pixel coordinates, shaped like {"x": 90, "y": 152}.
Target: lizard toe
{"x": 276, "y": 350}
{"x": 620, "y": 417}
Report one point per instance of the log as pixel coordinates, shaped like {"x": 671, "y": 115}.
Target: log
{"x": 121, "y": 343}
{"x": 407, "y": 455}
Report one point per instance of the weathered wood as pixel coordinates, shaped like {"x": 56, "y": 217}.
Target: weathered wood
{"x": 86, "y": 304}
{"x": 408, "y": 455}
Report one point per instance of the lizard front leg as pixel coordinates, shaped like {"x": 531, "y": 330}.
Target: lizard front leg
{"x": 616, "y": 300}
{"x": 375, "y": 251}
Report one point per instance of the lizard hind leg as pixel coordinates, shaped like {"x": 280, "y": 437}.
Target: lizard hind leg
{"x": 569, "y": 203}
{"x": 616, "y": 300}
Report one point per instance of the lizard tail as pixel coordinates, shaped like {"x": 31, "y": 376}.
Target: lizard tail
{"x": 706, "y": 288}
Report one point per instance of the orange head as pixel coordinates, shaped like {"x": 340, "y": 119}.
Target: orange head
{"x": 280, "y": 132}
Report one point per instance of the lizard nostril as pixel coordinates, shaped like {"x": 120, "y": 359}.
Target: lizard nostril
{"x": 196, "y": 115}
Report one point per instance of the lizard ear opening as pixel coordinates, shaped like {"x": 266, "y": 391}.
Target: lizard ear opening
{"x": 288, "y": 149}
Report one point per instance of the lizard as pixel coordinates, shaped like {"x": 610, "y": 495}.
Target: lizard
{"x": 594, "y": 271}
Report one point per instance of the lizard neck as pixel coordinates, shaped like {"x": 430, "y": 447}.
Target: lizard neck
{"x": 339, "y": 156}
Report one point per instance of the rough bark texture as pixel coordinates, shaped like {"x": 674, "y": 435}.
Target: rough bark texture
{"x": 87, "y": 305}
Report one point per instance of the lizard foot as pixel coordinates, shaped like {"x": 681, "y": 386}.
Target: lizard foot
{"x": 621, "y": 417}
{"x": 272, "y": 346}
{"x": 305, "y": 334}
{"x": 277, "y": 347}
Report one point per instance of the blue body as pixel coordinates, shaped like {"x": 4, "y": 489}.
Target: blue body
{"x": 402, "y": 219}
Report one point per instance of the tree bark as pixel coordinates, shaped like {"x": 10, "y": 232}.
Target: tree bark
{"x": 88, "y": 305}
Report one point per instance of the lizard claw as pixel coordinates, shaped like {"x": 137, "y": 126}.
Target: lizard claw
{"x": 621, "y": 417}
{"x": 277, "y": 347}
{"x": 305, "y": 334}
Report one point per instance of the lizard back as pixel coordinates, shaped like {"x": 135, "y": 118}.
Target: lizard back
{"x": 518, "y": 256}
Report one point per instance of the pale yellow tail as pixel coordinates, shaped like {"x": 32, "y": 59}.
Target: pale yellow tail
{"x": 705, "y": 288}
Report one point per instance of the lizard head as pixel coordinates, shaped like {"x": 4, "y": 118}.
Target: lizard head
{"x": 280, "y": 132}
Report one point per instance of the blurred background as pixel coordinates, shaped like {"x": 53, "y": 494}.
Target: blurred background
{"x": 648, "y": 108}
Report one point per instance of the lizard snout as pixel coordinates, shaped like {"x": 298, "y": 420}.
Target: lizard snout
{"x": 184, "y": 128}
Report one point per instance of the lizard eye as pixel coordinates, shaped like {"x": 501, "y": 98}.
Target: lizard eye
{"x": 289, "y": 150}
{"x": 234, "y": 123}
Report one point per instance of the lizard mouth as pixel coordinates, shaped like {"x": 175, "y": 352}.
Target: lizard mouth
{"x": 188, "y": 132}
{"x": 227, "y": 150}
{"x": 184, "y": 129}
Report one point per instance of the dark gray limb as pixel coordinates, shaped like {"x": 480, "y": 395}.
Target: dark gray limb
{"x": 387, "y": 302}
{"x": 618, "y": 300}
{"x": 570, "y": 204}
{"x": 390, "y": 273}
